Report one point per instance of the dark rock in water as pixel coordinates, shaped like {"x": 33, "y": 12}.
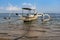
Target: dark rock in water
{"x": 17, "y": 14}
{"x": 5, "y": 18}
{"x": 8, "y": 17}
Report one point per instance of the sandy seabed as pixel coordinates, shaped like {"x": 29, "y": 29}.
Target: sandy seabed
{"x": 29, "y": 32}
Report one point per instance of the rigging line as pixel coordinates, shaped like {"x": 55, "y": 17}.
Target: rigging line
{"x": 9, "y": 21}
{"x": 27, "y": 30}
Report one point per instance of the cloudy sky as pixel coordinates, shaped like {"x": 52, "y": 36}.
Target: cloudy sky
{"x": 46, "y": 6}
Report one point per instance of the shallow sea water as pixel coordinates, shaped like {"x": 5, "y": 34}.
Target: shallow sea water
{"x": 36, "y": 30}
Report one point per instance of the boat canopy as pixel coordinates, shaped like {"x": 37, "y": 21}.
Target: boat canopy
{"x": 27, "y": 8}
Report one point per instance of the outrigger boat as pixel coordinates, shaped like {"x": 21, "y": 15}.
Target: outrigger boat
{"x": 27, "y": 17}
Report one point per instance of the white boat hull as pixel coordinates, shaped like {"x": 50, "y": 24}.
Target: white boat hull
{"x": 30, "y": 18}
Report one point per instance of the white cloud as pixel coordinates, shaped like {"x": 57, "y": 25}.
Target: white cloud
{"x": 13, "y": 8}
{"x": 28, "y": 5}
{"x": 10, "y": 8}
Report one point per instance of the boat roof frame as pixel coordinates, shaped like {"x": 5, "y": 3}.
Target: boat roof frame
{"x": 27, "y": 8}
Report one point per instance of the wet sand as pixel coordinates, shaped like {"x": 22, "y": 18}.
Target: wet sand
{"x": 29, "y": 31}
